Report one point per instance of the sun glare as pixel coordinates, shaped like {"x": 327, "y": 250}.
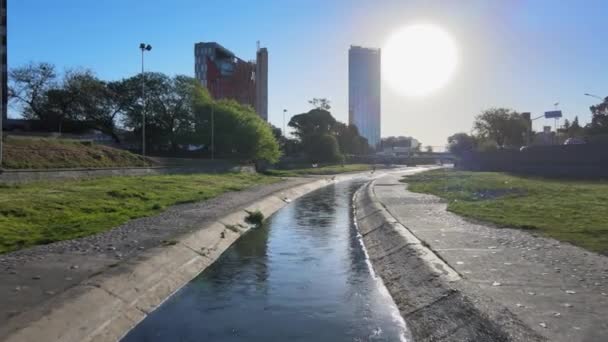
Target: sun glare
{"x": 419, "y": 59}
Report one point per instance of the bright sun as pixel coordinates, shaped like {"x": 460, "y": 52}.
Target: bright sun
{"x": 419, "y": 59}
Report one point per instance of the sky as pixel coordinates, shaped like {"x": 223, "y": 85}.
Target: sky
{"x": 524, "y": 55}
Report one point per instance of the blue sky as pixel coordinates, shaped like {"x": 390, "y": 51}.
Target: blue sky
{"x": 525, "y": 55}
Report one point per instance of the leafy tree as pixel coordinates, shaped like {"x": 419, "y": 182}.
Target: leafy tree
{"x": 501, "y": 125}
{"x": 460, "y": 143}
{"x": 599, "y": 120}
{"x": 29, "y": 85}
{"x": 95, "y": 101}
{"x": 315, "y": 122}
{"x": 168, "y": 109}
{"x": 572, "y": 129}
{"x": 324, "y": 149}
{"x": 349, "y": 140}
{"x": 429, "y": 149}
{"x": 320, "y": 103}
{"x": 239, "y": 131}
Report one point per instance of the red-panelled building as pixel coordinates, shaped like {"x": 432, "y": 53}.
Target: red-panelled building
{"x": 227, "y": 76}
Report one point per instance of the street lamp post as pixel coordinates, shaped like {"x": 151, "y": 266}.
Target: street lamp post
{"x": 591, "y": 95}
{"x": 284, "y": 127}
{"x": 218, "y": 96}
{"x": 212, "y": 132}
{"x": 143, "y": 47}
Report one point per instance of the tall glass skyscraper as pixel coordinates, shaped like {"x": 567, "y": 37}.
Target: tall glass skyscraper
{"x": 364, "y": 92}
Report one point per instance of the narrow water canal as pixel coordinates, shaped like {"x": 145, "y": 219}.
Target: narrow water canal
{"x": 303, "y": 276}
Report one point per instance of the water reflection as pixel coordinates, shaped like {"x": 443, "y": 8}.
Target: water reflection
{"x": 301, "y": 277}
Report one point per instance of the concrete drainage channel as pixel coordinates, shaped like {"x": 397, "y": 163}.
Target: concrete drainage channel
{"x": 426, "y": 290}
{"x": 106, "y": 306}
{"x": 109, "y": 304}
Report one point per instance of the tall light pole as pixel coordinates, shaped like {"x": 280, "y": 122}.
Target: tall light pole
{"x": 217, "y": 96}
{"x": 143, "y": 47}
{"x": 212, "y": 132}
{"x": 591, "y": 95}
{"x": 284, "y": 127}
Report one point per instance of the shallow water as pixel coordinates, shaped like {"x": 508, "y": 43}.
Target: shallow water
{"x": 303, "y": 276}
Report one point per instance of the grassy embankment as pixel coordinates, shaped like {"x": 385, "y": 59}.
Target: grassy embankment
{"x": 40, "y": 213}
{"x": 323, "y": 170}
{"x": 567, "y": 210}
{"x": 35, "y": 153}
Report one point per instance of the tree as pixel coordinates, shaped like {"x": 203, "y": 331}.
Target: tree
{"x": 572, "y": 129}
{"x": 503, "y": 126}
{"x": 96, "y": 102}
{"x": 428, "y": 149}
{"x": 460, "y": 143}
{"x": 169, "y": 109}
{"x": 349, "y": 140}
{"x": 599, "y": 120}
{"x": 320, "y": 103}
{"x": 315, "y": 122}
{"x": 324, "y": 149}
{"x": 239, "y": 131}
{"x": 29, "y": 85}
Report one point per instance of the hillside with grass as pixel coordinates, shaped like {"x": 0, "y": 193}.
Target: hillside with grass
{"x": 39, "y": 153}
{"x": 44, "y": 212}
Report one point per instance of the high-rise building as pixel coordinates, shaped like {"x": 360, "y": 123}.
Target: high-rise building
{"x": 261, "y": 83}
{"x": 3, "y": 62}
{"x": 364, "y": 92}
{"x": 227, "y": 76}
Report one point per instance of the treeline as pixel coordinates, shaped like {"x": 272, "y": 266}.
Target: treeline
{"x": 497, "y": 128}
{"x": 178, "y": 111}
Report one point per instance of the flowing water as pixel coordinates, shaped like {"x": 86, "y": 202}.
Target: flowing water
{"x": 303, "y": 276}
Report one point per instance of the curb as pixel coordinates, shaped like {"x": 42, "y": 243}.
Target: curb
{"x": 426, "y": 289}
{"x": 108, "y": 305}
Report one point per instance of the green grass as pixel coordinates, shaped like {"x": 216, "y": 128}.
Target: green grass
{"x": 567, "y": 210}
{"x": 33, "y": 153}
{"x": 40, "y": 213}
{"x": 323, "y": 170}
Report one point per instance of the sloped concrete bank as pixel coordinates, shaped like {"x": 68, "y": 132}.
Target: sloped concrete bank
{"x": 427, "y": 291}
{"x": 107, "y": 305}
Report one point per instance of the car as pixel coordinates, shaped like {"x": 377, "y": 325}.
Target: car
{"x": 574, "y": 141}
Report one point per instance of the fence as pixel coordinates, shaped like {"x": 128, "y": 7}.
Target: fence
{"x": 574, "y": 161}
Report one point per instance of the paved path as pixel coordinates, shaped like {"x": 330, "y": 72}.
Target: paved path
{"x": 559, "y": 290}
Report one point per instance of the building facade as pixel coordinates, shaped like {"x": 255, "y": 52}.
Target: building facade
{"x": 227, "y": 76}
{"x": 3, "y": 62}
{"x": 364, "y": 95}
{"x": 261, "y": 83}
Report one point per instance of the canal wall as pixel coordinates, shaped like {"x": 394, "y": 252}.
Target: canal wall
{"x": 427, "y": 291}
{"x": 108, "y": 304}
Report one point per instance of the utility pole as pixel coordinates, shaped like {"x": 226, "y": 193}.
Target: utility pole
{"x": 143, "y": 47}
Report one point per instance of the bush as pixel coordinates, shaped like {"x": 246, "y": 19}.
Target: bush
{"x": 324, "y": 149}
{"x": 255, "y": 217}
